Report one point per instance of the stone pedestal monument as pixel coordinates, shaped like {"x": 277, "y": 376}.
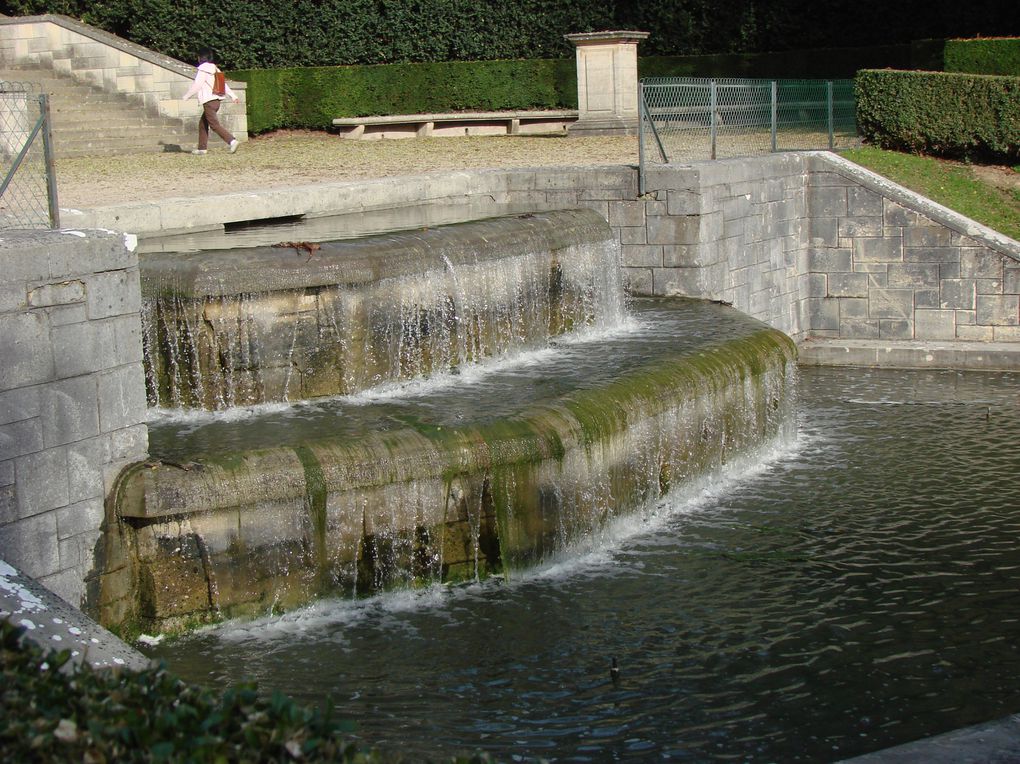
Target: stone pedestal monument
{"x": 606, "y": 82}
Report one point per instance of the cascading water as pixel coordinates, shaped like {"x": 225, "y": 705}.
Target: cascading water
{"x": 548, "y": 412}
{"x": 367, "y": 312}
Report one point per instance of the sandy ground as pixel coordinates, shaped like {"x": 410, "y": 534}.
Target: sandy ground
{"x": 289, "y": 158}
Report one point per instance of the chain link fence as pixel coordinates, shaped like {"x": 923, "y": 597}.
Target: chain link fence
{"x": 28, "y": 193}
{"x": 688, "y": 118}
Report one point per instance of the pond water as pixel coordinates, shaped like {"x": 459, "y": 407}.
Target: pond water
{"x": 849, "y": 590}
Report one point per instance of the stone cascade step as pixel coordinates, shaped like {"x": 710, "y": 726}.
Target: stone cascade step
{"x": 89, "y": 121}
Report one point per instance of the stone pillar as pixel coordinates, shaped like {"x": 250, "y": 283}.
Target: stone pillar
{"x": 607, "y": 82}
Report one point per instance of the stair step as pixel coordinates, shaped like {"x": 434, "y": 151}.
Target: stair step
{"x": 89, "y": 121}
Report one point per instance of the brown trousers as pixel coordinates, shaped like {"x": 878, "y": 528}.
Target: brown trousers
{"x": 210, "y": 119}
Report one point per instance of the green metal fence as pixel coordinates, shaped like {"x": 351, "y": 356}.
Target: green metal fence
{"x": 688, "y": 118}
{"x": 28, "y": 187}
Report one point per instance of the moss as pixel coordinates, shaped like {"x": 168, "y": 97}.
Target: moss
{"x": 315, "y": 503}
{"x": 507, "y": 502}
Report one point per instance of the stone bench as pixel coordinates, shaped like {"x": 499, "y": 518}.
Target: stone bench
{"x": 456, "y": 124}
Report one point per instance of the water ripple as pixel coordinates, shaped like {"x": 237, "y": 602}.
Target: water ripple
{"x": 855, "y": 592}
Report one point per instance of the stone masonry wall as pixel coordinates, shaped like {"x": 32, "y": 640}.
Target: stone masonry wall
{"x": 731, "y": 230}
{"x": 886, "y": 265}
{"x": 806, "y": 242}
{"x": 817, "y": 246}
{"x": 72, "y": 396}
{"x": 99, "y": 58}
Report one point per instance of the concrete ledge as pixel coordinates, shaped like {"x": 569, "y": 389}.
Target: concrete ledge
{"x": 52, "y": 624}
{"x": 481, "y": 193}
{"x": 997, "y": 741}
{"x": 905, "y": 354}
{"x": 455, "y": 124}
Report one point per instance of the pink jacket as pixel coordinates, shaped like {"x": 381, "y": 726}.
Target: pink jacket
{"x": 203, "y": 85}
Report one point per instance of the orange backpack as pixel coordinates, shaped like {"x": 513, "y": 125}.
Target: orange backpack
{"x": 219, "y": 83}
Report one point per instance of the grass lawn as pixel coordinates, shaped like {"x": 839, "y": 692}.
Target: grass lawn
{"x": 989, "y": 195}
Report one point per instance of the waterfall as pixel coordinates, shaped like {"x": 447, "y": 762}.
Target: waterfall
{"x": 442, "y": 299}
{"x": 485, "y": 474}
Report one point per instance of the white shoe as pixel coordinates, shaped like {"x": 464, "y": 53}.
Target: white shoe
{"x": 232, "y": 146}
{"x": 199, "y": 151}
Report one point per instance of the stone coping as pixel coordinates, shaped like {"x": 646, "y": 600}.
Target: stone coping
{"x": 995, "y": 741}
{"x": 53, "y": 624}
{"x": 581, "y": 38}
{"x": 911, "y": 354}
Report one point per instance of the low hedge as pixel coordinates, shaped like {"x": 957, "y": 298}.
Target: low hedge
{"x": 51, "y": 713}
{"x": 961, "y": 116}
{"x": 989, "y": 55}
{"x": 312, "y": 97}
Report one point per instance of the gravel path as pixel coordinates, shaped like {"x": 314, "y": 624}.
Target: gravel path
{"x": 290, "y": 158}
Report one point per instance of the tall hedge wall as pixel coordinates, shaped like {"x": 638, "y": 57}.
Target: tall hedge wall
{"x": 825, "y": 63}
{"x": 312, "y": 97}
{"x": 287, "y": 33}
{"x": 945, "y": 114}
{"x": 999, "y": 55}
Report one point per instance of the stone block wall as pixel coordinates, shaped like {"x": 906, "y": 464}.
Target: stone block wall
{"x": 817, "y": 246}
{"x": 883, "y": 265}
{"x": 106, "y": 61}
{"x": 72, "y": 396}
{"x": 730, "y": 230}
{"x": 806, "y": 242}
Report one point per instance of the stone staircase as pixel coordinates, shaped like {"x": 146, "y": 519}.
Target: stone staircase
{"x": 87, "y": 120}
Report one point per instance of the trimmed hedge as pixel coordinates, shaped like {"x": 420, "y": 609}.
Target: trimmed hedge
{"x": 962, "y": 116}
{"x": 998, "y": 55}
{"x": 312, "y": 97}
{"x": 295, "y": 33}
{"x": 287, "y": 33}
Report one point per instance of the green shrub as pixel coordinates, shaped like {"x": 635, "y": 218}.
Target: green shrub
{"x": 313, "y": 97}
{"x": 50, "y": 713}
{"x": 997, "y": 55}
{"x": 122, "y": 716}
{"x": 964, "y": 116}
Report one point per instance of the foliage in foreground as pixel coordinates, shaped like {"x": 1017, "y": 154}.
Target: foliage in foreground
{"x": 121, "y": 716}
{"x": 951, "y": 184}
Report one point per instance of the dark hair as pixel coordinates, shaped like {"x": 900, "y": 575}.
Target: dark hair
{"x": 205, "y": 55}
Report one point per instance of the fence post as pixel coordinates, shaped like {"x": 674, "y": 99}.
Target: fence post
{"x": 641, "y": 137}
{"x": 51, "y": 175}
{"x": 828, "y": 101}
{"x": 775, "y": 114}
{"x": 713, "y": 105}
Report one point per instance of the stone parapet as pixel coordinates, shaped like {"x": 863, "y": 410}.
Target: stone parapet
{"x": 72, "y": 396}
{"x": 888, "y": 264}
{"x": 809, "y": 243}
